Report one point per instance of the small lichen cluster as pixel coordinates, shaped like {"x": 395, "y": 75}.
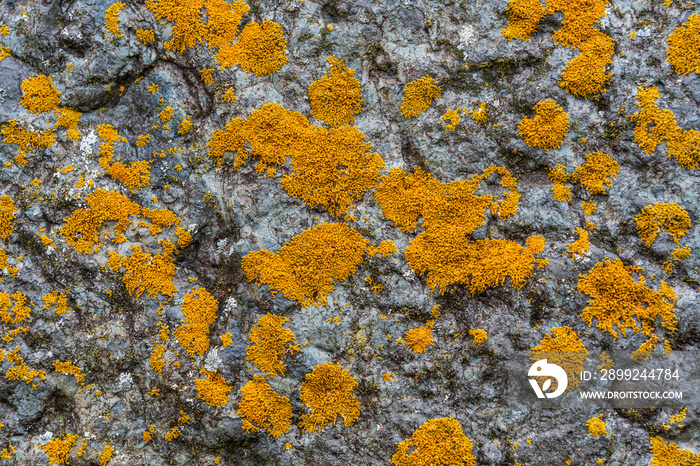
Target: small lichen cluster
{"x": 264, "y": 409}
{"x": 306, "y": 268}
{"x": 270, "y": 342}
{"x": 479, "y": 336}
{"x": 683, "y": 146}
{"x": 26, "y": 139}
{"x": 20, "y": 311}
{"x": 598, "y": 170}
{"x": 617, "y": 300}
{"x": 39, "y": 94}
{"x": 419, "y": 338}
{"x": 213, "y": 389}
{"x": 660, "y": 217}
{"x": 453, "y": 117}
{"x": 547, "y": 129}
{"x": 418, "y": 95}
{"x": 684, "y": 46}
{"x": 260, "y": 48}
{"x": 669, "y": 454}
{"x": 566, "y": 350}
{"x": 7, "y": 215}
{"x": 58, "y": 450}
{"x": 437, "y": 442}
{"x": 329, "y": 391}
{"x": 331, "y": 167}
{"x": 580, "y": 246}
{"x": 199, "y": 309}
{"x": 112, "y": 20}
{"x": 523, "y": 18}
{"x": 336, "y": 97}
{"x": 56, "y": 299}
{"x": 596, "y": 426}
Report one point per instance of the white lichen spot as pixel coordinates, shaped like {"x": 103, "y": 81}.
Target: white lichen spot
{"x": 125, "y": 381}
{"x": 213, "y": 362}
{"x": 467, "y": 36}
{"x": 87, "y": 142}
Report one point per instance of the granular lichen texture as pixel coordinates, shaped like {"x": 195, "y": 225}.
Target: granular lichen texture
{"x": 269, "y": 344}
{"x": 547, "y": 129}
{"x": 264, "y": 409}
{"x": 523, "y": 18}
{"x": 112, "y": 19}
{"x": 7, "y": 215}
{"x": 419, "y": 338}
{"x": 213, "y": 389}
{"x": 598, "y": 170}
{"x": 307, "y": 267}
{"x": 336, "y": 97}
{"x": 437, "y": 442}
{"x": 662, "y": 217}
{"x": 329, "y": 391}
{"x": 58, "y": 450}
{"x": 580, "y": 246}
{"x": 565, "y": 349}
{"x": 260, "y": 48}
{"x": 39, "y": 94}
{"x": 617, "y": 300}
{"x": 684, "y": 46}
{"x": 418, "y": 95}
{"x": 670, "y": 454}
{"x": 596, "y": 426}
{"x": 199, "y": 308}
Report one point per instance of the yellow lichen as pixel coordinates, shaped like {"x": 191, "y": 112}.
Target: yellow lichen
{"x": 270, "y": 342}
{"x": 664, "y": 216}
{"x": 144, "y": 271}
{"x": 418, "y": 339}
{"x": 112, "y": 19}
{"x": 229, "y": 96}
{"x": 437, "y": 442}
{"x": 306, "y": 268}
{"x": 547, "y": 128}
{"x": 596, "y": 426}
{"x": 566, "y": 350}
{"x": 185, "y": 125}
{"x": 68, "y": 368}
{"x": 213, "y": 390}
{"x": 262, "y": 408}
{"x": 453, "y": 117}
{"x": 145, "y": 36}
{"x": 260, "y": 48}
{"x": 523, "y": 18}
{"x": 585, "y": 74}
{"x": 481, "y": 115}
{"x": 135, "y": 176}
{"x": 580, "y": 246}
{"x": 617, "y": 300}
{"x": 226, "y": 339}
{"x": 199, "y": 309}
{"x": 20, "y": 309}
{"x": 166, "y": 114}
{"x": 58, "y": 450}
{"x": 561, "y": 193}
{"x": 337, "y": 96}
{"x": 39, "y": 94}
{"x": 669, "y": 454}
{"x": 7, "y": 215}
{"x": 156, "y": 360}
{"x": 329, "y": 391}
{"x": 589, "y": 207}
{"x": 418, "y": 95}
{"x": 142, "y": 140}
{"x": 26, "y": 139}
{"x": 57, "y": 299}
{"x": 68, "y": 118}
{"x": 5, "y": 52}
{"x": 536, "y": 244}
{"x": 598, "y": 170}
{"x": 106, "y": 455}
{"x": 684, "y": 46}
{"x": 479, "y": 336}
{"x": 645, "y": 349}
{"x": 207, "y": 75}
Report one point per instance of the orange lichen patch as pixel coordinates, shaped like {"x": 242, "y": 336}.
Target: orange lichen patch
{"x": 384, "y": 249}
{"x": 213, "y": 390}
{"x": 22, "y": 372}
{"x": 596, "y": 426}
{"x": 260, "y": 48}
{"x": 548, "y": 127}
{"x": 4, "y": 52}
{"x": 39, "y": 94}
{"x": 329, "y": 390}
{"x": 645, "y": 349}
{"x": 144, "y": 271}
{"x": 561, "y": 193}
{"x": 142, "y": 140}
{"x": 5, "y": 264}
{"x": 68, "y": 368}
{"x": 418, "y": 95}
{"x": 580, "y": 18}
{"x": 58, "y": 450}
{"x": 229, "y": 96}
{"x": 109, "y": 136}
{"x": 669, "y": 454}
{"x": 185, "y": 125}
{"x": 160, "y": 218}
{"x": 585, "y": 75}
{"x": 227, "y": 339}
{"x": 184, "y": 237}
{"x": 453, "y": 117}
{"x": 270, "y": 342}
{"x": 25, "y": 139}
{"x": 135, "y": 176}
{"x": 57, "y": 299}
{"x": 598, "y": 170}
{"x": 306, "y": 268}
{"x": 589, "y": 207}
{"x": 558, "y": 174}
{"x": 677, "y": 255}
{"x": 166, "y": 114}
{"x": 481, "y": 114}
{"x": 223, "y": 20}
{"x": 112, "y": 20}
{"x": 617, "y": 300}
{"x": 523, "y": 18}
{"x": 565, "y": 349}
{"x": 536, "y": 244}
{"x": 68, "y": 118}
{"x": 231, "y": 139}
{"x": 684, "y": 46}
{"x": 106, "y": 455}
{"x": 81, "y": 230}
{"x": 20, "y": 309}
{"x": 437, "y": 441}
{"x": 7, "y": 215}
{"x": 336, "y": 97}
{"x": 580, "y": 246}
{"x": 262, "y": 408}
{"x": 402, "y": 197}
{"x": 207, "y": 75}
{"x": 145, "y": 36}
{"x": 664, "y": 216}
{"x": 156, "y": 360}
{"x": 199, "y": 309}
{"x": 418, "y": 339}
{"x": 479, "y": 336}
{"x": 187, "y": 16}
{"x": 684, "y": 146}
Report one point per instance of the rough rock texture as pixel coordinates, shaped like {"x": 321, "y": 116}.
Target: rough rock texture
{"x": 109, "y": 333}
